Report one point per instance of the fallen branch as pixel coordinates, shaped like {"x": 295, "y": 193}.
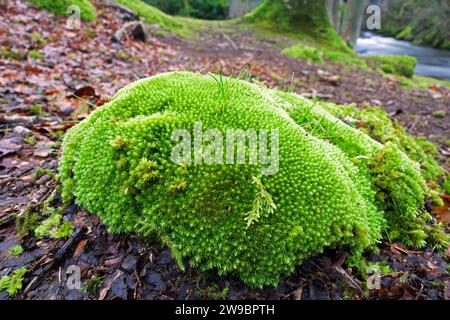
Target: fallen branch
{"x": 233, "y": 44}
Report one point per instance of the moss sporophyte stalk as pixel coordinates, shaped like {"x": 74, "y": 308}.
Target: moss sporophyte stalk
{"x": 333, "y": 187}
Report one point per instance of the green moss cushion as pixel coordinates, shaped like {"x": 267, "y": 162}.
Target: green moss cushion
{"x": 333, "y": 186}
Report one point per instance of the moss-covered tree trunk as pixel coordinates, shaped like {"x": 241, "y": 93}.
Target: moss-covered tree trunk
{"x": 238, "y": 8}
{"x": 305, "y": 17}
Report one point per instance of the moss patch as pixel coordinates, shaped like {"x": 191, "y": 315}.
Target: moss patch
{"x": 319, "y": 54}
{"x": 397, "y": 64}
{"x": 304, "y": 52}
{"x": 422, "y": 82}
{"x": 59, "y": 7}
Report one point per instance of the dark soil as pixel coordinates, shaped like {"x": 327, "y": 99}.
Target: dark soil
{"x": 38, "y": 105}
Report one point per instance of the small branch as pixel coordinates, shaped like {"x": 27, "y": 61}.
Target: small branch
{"x": 74, "y": 239}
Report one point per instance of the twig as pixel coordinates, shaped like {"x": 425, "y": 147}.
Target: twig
{"x": 76, "y": 236}
{"x": 338, "y": 267}
{"x": 233, "y": 44}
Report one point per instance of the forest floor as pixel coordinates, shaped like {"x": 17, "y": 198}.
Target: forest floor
{"x": 43, "y": 66}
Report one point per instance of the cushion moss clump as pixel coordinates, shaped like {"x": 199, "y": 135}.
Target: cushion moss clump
{"x": 335, "y": 187}
{"x": 59, "y": 7}
{"x": 402, "y": 65}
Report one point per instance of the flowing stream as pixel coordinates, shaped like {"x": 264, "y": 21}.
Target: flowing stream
{"x": 430, "y": 62}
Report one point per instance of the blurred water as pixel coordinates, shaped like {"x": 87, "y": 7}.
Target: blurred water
{"x": 430, "y": 62}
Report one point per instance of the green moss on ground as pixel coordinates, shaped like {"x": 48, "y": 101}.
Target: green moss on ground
{"x": 318, "y": 55}
{"x": 422, "y": 82}
{"x": 335, "y": 186}
{"x": 396, "y": 64}
{"x": 304, "y": 52}
{"x": 59, "y": 7}
{"x": 13, "y": 283}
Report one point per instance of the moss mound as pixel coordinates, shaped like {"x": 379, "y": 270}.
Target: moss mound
{"x": 334, "y": 186}
{"x": 59, "y": 7}
{"x": 397, "y": 64}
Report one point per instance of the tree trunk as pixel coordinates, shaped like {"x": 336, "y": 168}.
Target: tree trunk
{"x": 304, "y": 15}
{"x": 238, "y": 8}
{"x": 186, "y": 7}
{"x": 351, "y": 24}
{"x": 334, "y": 7}
{"x": 307, "y": 18}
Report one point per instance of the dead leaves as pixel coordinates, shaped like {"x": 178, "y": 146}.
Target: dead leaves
{"x": 443, "y": 212}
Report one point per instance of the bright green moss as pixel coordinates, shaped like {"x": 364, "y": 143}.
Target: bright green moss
{"x": 59, "y": 7}
{"x": 13, "y": 283}
{"x": 15, "y": 251}
{"x": 304, "y": 52}
{"x": 447, "y": 185}
{"x": 397, "y": 64}
{"x": 330, "y": 189}
{"x": 375, "y": 122}
{"x": 53, "y": 227}
{"x": 318, "y": 55}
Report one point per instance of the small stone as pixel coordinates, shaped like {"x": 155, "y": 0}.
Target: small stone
{"x": 22, "y": 132}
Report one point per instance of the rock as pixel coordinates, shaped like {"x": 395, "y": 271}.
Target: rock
{"x": 22, "y": 132}
{"x": 130, "y": 262}
{"x": 66, "y": 110}
{"x": 137, "y": 30}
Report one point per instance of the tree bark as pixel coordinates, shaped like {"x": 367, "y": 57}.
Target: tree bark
{"x": 334, "y": 7}
{"x": 308, "y": 18}
{"x": 238, "y": 8}
{"x": 307, "y": 15}
{"x": 351, "y": 24}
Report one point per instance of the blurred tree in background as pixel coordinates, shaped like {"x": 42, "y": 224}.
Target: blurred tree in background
{"x": 423, "y": 22}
